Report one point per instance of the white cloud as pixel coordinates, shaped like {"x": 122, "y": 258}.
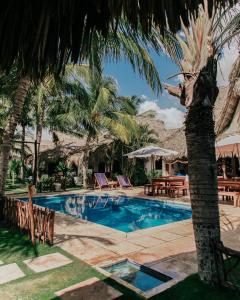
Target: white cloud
{"x": 172, "y": 117}
{"x": 230, "y": 54}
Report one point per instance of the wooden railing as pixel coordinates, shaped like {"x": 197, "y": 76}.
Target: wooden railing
{"x": 16, "y": 214}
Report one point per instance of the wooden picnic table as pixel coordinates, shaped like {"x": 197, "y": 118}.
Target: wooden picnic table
{"x": 167, "y": 184}
{"x": 229, "y": 185}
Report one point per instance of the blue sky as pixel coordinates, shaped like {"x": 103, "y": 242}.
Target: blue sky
{"x": 131, "y": 83}
{"x": 168, "y": 108}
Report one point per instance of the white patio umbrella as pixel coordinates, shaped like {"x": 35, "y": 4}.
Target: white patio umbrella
{"x": 151, "y": 152}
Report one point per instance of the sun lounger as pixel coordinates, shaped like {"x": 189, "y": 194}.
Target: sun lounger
{"x": 123, "y": 181}
{"x": 102, "y": 182}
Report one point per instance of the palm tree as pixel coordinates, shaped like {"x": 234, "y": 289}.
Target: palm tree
{"x": 200, "y": 48}
{"x": 89, "y": 107}
{"x": 134, "y": 47}
{"x": 25, "y": 121}
{"x": 18, "y": 97}
{"x": 39, "y": 102}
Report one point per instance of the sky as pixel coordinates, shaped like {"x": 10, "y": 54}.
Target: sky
{"x": 167, "y": 107}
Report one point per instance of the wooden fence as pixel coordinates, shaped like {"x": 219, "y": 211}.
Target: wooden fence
{"x": 16, "y": 214}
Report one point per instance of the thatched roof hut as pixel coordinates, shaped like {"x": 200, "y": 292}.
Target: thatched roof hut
{"x": 69, "y": 147}
{"x": 47, "y": 34}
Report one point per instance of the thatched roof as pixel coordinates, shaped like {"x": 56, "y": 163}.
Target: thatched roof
{"x": 69, "y": 146}
{"x": 42, "y": 34}
{"x": 174, "y": 139}
{"x": 233, "y": 97}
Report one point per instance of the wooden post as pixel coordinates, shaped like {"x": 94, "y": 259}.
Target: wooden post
{"x": 31, "y": 192}
{"x": 233, "y": 166}
{"x": 224, "y": 167}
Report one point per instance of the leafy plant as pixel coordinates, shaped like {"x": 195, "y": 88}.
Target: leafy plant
{"x": 153, "y": 174}
{"x": 45, "y": 184}
{"x": 14, "y": 169}
{"x": 61, "y": 167}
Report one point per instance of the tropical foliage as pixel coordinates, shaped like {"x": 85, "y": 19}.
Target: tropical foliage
{"x": 90, "y": 106}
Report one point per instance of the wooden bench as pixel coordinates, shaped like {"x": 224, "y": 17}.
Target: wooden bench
{"x": 176, "y": 189}
{"x": 234, "y": 195}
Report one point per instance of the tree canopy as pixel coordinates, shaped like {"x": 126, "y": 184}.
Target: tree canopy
{"x": 42, "y": 35}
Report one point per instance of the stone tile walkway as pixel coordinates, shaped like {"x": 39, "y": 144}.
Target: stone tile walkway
{"x": 47, "y": 262}
{"x": 97, "y": 244}
{"x": 10, "y": 272}
{"x": 91, "y": 289}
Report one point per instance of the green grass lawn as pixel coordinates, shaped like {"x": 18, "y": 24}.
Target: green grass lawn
{"x": 17, "y": 188}
{"x": 15, "y": 247}
{"x": 20, "y": 188}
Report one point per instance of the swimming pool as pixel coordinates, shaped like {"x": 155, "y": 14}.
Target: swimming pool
{"x": 119, "y": 212}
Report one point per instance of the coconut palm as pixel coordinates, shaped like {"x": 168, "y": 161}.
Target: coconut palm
{"x": 200, "y": 48}
{"x": 89, "y": 107}
{"x": 15, "y": 88}
{"x": 134, "y": 47}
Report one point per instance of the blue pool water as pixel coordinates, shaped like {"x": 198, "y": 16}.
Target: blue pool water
{"x": 136, "y": 276}
{"x": 119, "y": 212}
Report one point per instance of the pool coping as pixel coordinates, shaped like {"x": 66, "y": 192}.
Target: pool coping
{"x": 176, "y": 277}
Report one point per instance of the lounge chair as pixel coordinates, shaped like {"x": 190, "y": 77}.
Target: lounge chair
{"x": 124, "y": 181}
{"x": 102, "y": 182}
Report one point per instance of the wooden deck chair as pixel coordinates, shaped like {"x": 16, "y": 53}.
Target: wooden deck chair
{"x": 101, "y": 181}
{"x": 124, "y": 181}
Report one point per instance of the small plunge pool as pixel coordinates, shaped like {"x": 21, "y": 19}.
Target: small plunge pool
{"x": 141, "y": 277}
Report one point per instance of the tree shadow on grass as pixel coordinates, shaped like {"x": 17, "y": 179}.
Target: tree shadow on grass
{"x": 13, "y": 243}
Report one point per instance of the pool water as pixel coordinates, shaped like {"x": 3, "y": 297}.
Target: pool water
{"x": 132, "y": 273}
{"x": 119, "y": 212}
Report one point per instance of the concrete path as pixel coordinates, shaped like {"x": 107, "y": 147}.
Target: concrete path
{"x": 172, "y": 244}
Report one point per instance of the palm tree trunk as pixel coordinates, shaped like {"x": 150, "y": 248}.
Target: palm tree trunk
{"x": 200, "y": 138}
{"x": 8, "y": 133}
{"x": 23, "y": 152}
{"x": 39, "y": 129}
{"x": 85, "y": 162}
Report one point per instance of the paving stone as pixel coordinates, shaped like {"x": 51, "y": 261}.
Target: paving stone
{"x": 47, "y": 262}
{"x": 166, "y": 236}
{"x": 146, "y": 241}
{"x": 124, "y": 248}
{"x": 10, "y": 272}
{"x": 89, "y": 251}
{"x": 91, "y": 289}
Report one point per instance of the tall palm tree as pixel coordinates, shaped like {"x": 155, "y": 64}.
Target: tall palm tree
{"x": 134, "y": 47}
{"x": 89, "y": 107}
{"x": 18, "y": 97}
{"x": 200, "y": 48}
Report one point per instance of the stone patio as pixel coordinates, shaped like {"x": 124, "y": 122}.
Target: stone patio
{"x": 10, "y": 272}
{"x": 47, "y": 262}
{"x": 169, "y": 246}
{"x": 91, "y": 289}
